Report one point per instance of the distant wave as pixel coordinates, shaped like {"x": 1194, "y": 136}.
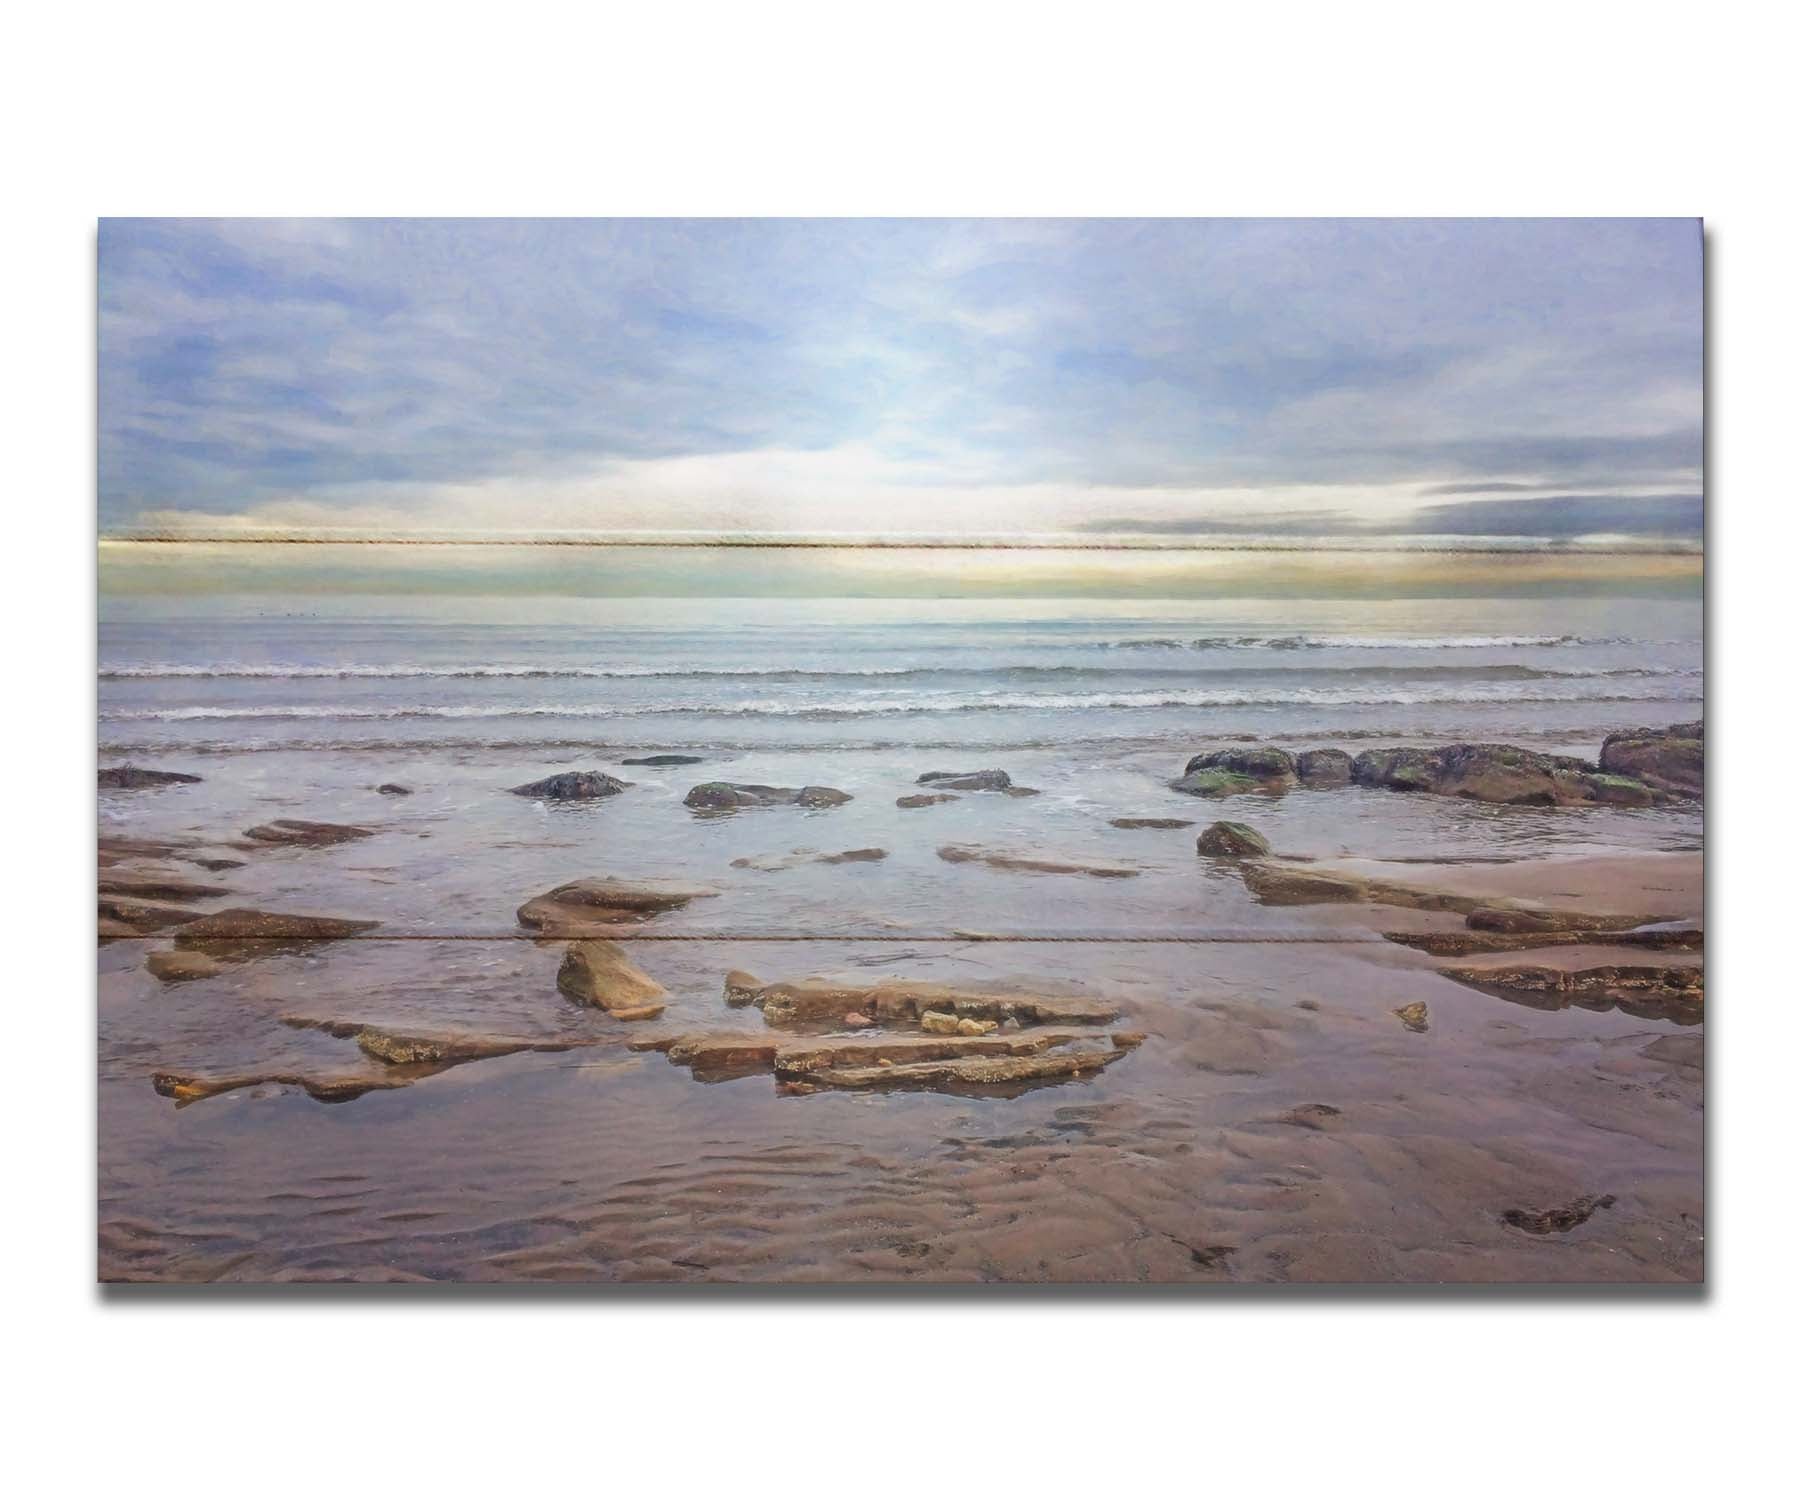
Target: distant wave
{"x": 1362, "y": 642}
{"x": 1508, "y": 671}
{"x": 915, "y": 704}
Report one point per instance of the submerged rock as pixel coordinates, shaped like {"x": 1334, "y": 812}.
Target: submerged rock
{"x": 1000, "y": 859}
{"x": 172, "y": 966}
{"x": 186, "y": 1088}
{"x": 1231, "y": 841}
{"x": 137, "y": 778}
{"x": 1415, "y": 1017}
{"x": 141, "y": 917}
{"x": 582, "y": 908}
{"x": 311, "y": 835}
{"x": 771, "y": 863}
{"x": 394, "y": 789}
{"x": 1463, "y": 943}
{"x": 966, "y": 1072}
{"x": 1557, "y": 1220}
{"x": 1152, "y": 822}
{"x": 731, "y": 796}
{"x": 598, "y": 973}
{"x": 1669, "y": 760}
{"x": 925, "y": 799}
{"x": 572, "y": 786}
{"x": 976, "y": 781}
{"x": 663, "y": 760}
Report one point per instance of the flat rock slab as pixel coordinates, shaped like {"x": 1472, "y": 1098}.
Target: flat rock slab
{"x": 244, "y": 925}
{"x": 973, "y": 1073}
{"x": 925, "y": 799}
{"x": 308, "y": 834}
{"x": 733, "y": 796}
{"x": 1461, "y": 944}
{"x": 142, "y": 916}
{"x": 1134, "y": 823}
{"x": 407, "y": 1049}
{"x": 173, "y": 966}
{"x": 572, "y": 786}
{"x": 599, "y": 904}
{"x": 153, "y": 887}
{"x": 891, "y": 1000}
{"x": 664, "y": 760}
{"x": 1036, "y": 864}
{"x": 1593, "y": 976}
{"x": 141, "y": 778}
{"x": 327, "y": 1088}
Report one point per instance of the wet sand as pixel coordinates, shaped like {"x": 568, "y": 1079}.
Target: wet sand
{"x": 1279, "y": 1122}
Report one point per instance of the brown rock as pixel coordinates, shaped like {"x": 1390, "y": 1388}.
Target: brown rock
{"x": 587, "y": 907}
{"x": 159, "y": 888}
{"x": 137, "y": 778}
{"x": 1152, "y": 822}
{"x": 1557, "y": 1220}
{"x": 308, "y": 834}
{"x": 1414, "y": 1017}
{"x": 1231, "y": 841}
{"x": 967, "y": 1072}
{"x": 137, "y": 917}
{"x": 598, "y": 973}
{"x": 1670, "y": 760}
{"x": 941, "y": 1023}
{"x": 893, "y": 1000}
{"x": 244, "y": 925}
{"x": 173, "y": 967}
{"x": 1033, "y": 864}
{"x": 925, "y": 799}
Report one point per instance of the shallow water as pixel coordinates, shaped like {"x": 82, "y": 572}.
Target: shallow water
{"x": 597, "y": 1163}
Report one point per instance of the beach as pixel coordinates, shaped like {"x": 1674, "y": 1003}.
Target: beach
{"x": 1273, "y": 1114}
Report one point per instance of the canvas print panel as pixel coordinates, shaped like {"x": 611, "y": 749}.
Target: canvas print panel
{"x": 901, "y": 751}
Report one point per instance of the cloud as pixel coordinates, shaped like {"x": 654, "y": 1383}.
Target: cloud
{"x": 502, "y": 370}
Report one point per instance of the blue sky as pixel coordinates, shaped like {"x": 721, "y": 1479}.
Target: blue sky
{"x": 1172, "y": 377}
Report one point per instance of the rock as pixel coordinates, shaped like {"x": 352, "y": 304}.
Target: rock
{"x": 664, "y": 760}
{"x": 137, "y": 917}
{"x": 1526, "y": 919}
{"x": 1034, "y": 864}
{"x": 891, "y": 1000}
{"x": 1261, "y": 763}
{"x": 925, "y": 799}
{"x": 1129, "y": 1039}
{"x": 968, "y": 781}
{"x": 771, "y": 863}
{"x": 572, "y": 786}
{"x": 244, "y": 925}
{"x": 1215, "y": 784}
{"x": 400, "y": 1049}
{"x": 1279, "y": 885}
{"x": 1557, "y": 1220}
{"x": 1460, "y": 944}
{"x": 1497, "y": 773}
{"x": 1231, "y": 841}
{"x": 723, "y": 1054}
{"x": 589, "y": 907}
{"x": 598, "y": 973}
{"x": 942, "y": 1023}
{"x": 1152, "y": 822}
{"x": 1414, "y": 1017}
{"x": 185, "y": 1088}
{"x": 855, "y": 1019}
{"x": 969, "y": 1026}
{"x": 730, "y": 796}
{"x": 1323, "y": 768}
{"x": 394, "y": 789}
{"x": 1669, "y": 760}
{"x": 173, "y": 967}
{"x": 215, "y": 863}
{"x": 311, "y": 835}
{"x": 137, "y": 778}
{"x": 1311, "y": 1116}
{"x": 1678, "y": 982}
{"x": 159, "y": 888}
{"x": 966, "y": 1072}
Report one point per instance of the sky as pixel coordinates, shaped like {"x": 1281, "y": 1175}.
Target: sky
{"x": 1172, "y": 381}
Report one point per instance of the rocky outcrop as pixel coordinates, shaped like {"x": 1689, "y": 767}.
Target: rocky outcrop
{"x": 572, "y": 786}
{"x": 1463, "y": 943}
{"x": 1231, "y": 841}
{"x": 925, "y": 799}
{"x": 771, "y": 863}
{"x": 583, "y": 908}
{"x": 1323, "y": 767}
{"x": 1152, "y": 822}
{"x": 138, "y": 778}
{"x": 1498, "y": 773}
{"x": 663, "y": 760}
{"x": 976, "y": 781}
{"x": 1682, "y": 982}
{"x": 307, "y": 834}
{"x": 905, "y": 1001}
{"x": 1671, "y": 760}
{"x": 598, "y": 973}
{"x": 731, "y": 796}
{"x": 1001, "y": 859}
